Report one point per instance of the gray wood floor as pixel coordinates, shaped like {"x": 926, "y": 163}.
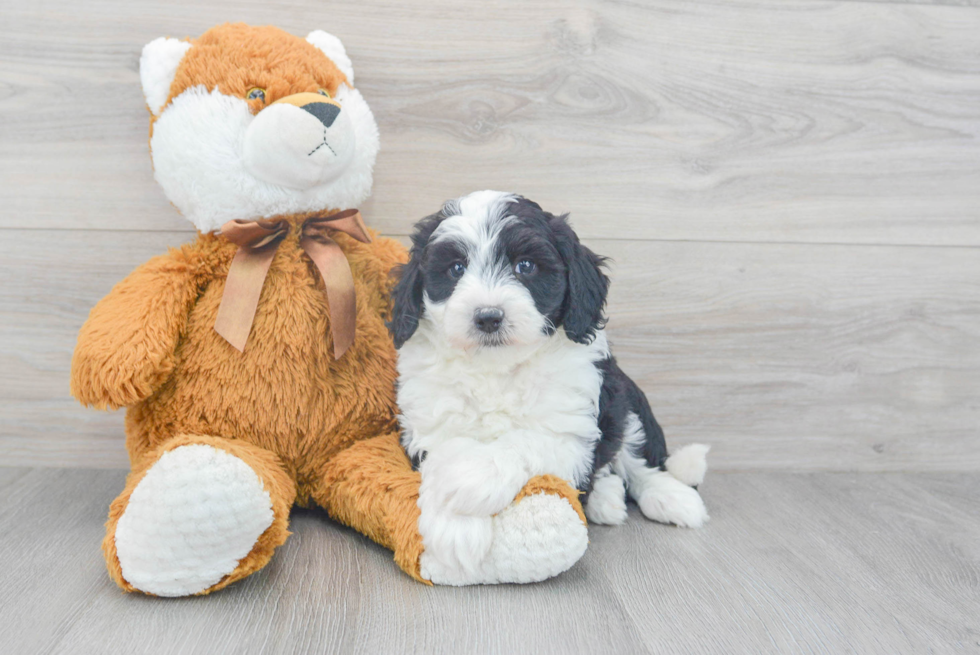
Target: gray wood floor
{"x": 790, "y": 563}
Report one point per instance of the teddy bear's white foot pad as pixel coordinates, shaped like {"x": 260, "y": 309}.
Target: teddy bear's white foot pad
{"x": 195, "y": 514}
{"x": 533, "y": 540}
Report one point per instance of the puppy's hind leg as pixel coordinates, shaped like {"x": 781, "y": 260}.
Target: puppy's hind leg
{"x": 661, "y": 494}
{"x": 664, "y": 498}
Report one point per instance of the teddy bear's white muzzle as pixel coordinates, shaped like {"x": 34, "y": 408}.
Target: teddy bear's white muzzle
{"x": 299, "y": 147}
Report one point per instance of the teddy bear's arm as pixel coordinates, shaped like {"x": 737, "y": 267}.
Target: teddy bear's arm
{"x": 125, "y": 349}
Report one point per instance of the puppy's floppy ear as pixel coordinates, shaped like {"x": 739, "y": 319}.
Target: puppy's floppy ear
{"x": 588, "y": 286}
{"x": 407, "y": 300}
{"x": 407, "y": 294}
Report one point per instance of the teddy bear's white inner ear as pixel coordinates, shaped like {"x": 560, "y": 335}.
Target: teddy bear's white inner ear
{"x": 158, "y": 66}
{"x": 333, "y": 48}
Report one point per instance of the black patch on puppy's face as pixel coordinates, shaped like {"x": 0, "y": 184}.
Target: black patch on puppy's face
{"x": 532, "y": 239}
{"x": 569, "y": 287}
{"x": 438, "y": 260}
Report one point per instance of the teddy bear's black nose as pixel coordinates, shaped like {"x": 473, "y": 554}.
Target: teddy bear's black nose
{"x": 326, "y": 112}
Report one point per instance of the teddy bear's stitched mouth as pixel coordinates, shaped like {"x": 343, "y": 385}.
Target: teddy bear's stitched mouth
{"x": 324, "y": 143}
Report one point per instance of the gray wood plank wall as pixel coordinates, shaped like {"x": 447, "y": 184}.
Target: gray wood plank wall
{"x": 790, "y": 192}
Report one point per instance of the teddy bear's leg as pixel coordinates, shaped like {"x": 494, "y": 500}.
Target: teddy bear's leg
{"x": 372, "y": 487}
{"x": 197, "y": 514}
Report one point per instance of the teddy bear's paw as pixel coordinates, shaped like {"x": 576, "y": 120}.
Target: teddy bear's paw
{"x": 532, "y": 540}
{"x": 196, "y": 513}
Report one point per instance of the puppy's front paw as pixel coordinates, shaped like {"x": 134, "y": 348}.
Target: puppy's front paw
{"x": 472, "y": 479}
{"x": 531, "y": 540}
{"x": 453, "y": 542}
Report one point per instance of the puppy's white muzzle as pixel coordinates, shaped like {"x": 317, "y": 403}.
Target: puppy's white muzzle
{"x": 300, "y": 142}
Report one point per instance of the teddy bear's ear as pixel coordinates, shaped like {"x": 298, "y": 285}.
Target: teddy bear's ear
{"x": 158, "y": 66}
{"x": 333, "y": 48}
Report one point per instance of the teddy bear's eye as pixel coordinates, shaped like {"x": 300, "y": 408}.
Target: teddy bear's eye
{"x": 323, "y": 92}
{"x": 255, "y": 94}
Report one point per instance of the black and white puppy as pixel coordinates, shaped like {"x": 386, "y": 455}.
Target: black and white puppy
{"x": 505, "y": 372}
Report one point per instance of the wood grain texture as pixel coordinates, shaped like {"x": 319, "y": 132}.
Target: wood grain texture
{"x": 757, "y": 120}
{"x": 805, "y": 563}
{"x": 791, "y": 192}
{"x": 791, "y": 356}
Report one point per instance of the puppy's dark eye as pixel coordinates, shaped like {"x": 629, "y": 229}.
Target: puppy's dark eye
{"x": 524, "y": 267}
{"x": 323, "y": 92}
{"x": 456, "y": 270}
{"x": 255, "y": 94}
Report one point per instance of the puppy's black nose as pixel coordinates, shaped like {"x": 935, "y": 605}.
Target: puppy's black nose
{"x": 325, "y": 111}
{"x": 488, "y": 319}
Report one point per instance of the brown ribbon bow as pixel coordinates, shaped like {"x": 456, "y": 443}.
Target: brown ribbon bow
{"x": 257, "y": 243}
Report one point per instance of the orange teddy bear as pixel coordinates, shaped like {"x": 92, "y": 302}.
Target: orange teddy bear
{"x": 254, "y": 362}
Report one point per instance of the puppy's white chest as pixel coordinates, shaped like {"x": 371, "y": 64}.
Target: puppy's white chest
{"x": 529, "y": 398}
{"x": 554, "y": 392}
